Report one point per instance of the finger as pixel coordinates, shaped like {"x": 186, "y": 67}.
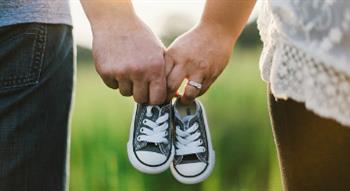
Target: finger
{"x": 169, "y": 64}
{"x": 157, "y": 91}
{"x": 191, "y": 92}
{"x": 125, "y": 87}
{"x": 174, "y": 80}
{"x": 110, "y": 82}
{"x": 140, "y": 91}
{"x": 206, "y": 85}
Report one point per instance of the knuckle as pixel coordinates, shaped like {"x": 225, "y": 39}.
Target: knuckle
{"x": 204, "y": 66}
{"x": 137, "y": 70}
{"x": 156, "y": 63}
{"x": 120, "y": 72}
{"x": 103, "y": 70}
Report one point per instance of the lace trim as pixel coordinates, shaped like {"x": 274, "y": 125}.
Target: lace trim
{"x": 323, "y": 89}
{"x": 318, "y": 27}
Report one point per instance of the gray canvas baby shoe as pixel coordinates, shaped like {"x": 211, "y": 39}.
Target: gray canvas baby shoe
{"x": 150, "y": 147}
{"x": 194, "y": 156}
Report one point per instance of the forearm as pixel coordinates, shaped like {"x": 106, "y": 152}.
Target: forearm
{"x": 227, "y": 16}
{"x": 102, "y": 13}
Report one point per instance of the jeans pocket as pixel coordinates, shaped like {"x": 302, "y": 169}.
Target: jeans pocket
{"x": 21, "y": 54}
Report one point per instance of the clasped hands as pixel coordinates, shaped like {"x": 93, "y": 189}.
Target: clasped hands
{"x": 129, "y": 57}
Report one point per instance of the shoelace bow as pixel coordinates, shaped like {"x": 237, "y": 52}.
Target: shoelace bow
{"x": 154, "y": 131}
{"x": 187, "y": 141}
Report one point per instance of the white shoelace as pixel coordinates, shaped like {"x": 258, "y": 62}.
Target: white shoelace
{"x": 187, "y": 141}
{"x": 155, "y": 131}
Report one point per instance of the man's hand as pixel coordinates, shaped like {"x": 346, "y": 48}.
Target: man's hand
{"x": 199, "y": 55}
{"x": 127, "y": 54}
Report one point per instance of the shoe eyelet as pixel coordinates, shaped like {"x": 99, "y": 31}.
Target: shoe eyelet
{"x": 203, "y": 149}
{"x": 138, "y": 138}
{"x": 200, "y": 141}
{"x": 144, "y": 121}
{"x": 142, "y": 130}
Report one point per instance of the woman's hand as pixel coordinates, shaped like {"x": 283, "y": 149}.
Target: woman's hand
{"x": 199, "y": 55}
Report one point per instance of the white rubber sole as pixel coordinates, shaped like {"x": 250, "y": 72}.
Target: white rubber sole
{"x": 136, "y": 163}
{"x": 201, "y": 177}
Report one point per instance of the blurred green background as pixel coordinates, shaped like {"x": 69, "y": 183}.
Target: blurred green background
{"x": 237, "y": 113}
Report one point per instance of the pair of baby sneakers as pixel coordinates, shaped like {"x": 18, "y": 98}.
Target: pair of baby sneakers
{"x": 154, "y": 144}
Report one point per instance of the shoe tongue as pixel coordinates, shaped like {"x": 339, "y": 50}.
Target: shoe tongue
{"x": 155, "y": 114}
{"x": 158, "y": 110}
{"x": 187, "y": 121}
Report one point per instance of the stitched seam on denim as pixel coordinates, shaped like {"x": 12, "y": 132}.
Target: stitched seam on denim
{"x": 33, "y": 75}
{"x": 41, "y": 59}
{"x": 6, "y": 80}
{"x": 9, "y": 39}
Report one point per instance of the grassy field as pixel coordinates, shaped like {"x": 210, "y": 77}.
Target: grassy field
{"x": 238, "y": 118}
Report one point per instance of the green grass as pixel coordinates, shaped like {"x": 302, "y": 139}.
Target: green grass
{"x": 238, "y": 118}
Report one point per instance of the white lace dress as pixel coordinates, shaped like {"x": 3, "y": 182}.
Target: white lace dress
{"x": 306, "y": 54}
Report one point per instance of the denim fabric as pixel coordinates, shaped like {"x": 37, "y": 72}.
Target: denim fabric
{"x": 36, "y": 83}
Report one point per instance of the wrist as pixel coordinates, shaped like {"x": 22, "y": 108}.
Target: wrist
{"x": 217, "y": 31}
{"x": 113, "y": 15}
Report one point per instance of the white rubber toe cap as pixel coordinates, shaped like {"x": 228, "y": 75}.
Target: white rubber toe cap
{"x": 150, "y": 158}
{"x": 191, "y": 169}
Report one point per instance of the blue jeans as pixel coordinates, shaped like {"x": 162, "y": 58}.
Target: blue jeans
{"x": 36, "y": 83}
